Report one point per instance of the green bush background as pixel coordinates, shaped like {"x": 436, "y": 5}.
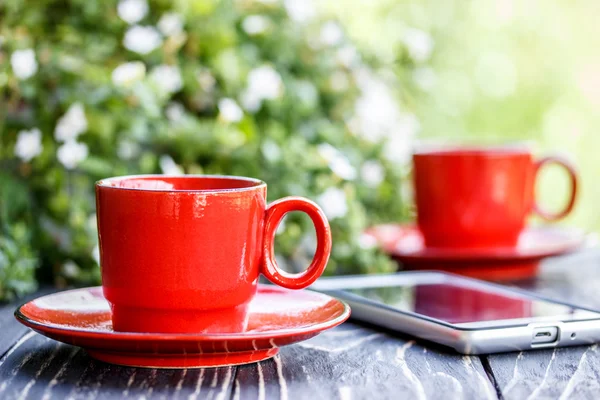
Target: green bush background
{"x": 89, "y": 105}
{"x": 445, "y": 69}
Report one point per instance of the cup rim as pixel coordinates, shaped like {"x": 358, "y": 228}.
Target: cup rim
{"x": 257, "y": 183}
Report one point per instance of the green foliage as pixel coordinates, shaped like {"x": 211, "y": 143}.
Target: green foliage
{"x": 17, "y": 263}
{"x": 228, "y": 87}
{"x": 17, "y": 258}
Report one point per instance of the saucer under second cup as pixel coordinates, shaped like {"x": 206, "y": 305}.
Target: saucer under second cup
{"x": 404, "y": 242}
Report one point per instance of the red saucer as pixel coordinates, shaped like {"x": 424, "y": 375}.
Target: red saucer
{"x": 405, "y": 243}
{"x": 277, "y": 317}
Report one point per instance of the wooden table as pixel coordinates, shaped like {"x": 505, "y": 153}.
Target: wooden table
{"x": 350, "y": 362}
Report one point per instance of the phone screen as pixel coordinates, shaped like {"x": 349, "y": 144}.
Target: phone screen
{"x": 470, "y": 305}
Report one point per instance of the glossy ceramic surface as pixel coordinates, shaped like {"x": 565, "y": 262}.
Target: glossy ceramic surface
{"x": 183, "y": 253}
{"x": 478, "y": 197}
{"x": 407, "y": 245}
{"x": 276, "y": 317}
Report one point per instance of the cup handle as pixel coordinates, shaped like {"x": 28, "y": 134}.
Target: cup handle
{"x": 274, "y": 213}
{"x": 570, "y": 168}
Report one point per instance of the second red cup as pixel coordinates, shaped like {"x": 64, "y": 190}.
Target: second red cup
{"x": 479, "y": 196}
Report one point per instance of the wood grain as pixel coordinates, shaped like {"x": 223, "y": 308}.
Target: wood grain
{"x": 41, "y": 368}
{"x": 556, "y": 373}
{"x": 356, "y": 362}
{"x": 9, "y": 331}
{"x": 349, "y": 362}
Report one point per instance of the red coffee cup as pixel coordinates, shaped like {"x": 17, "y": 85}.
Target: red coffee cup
{"x": 479, "y": 196}
{"x": 182, "y": 254}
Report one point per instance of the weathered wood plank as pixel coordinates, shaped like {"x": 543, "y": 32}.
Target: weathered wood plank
{"x": 10, "y": 329}
{"x": 349, "y": 362}
{"x": 549, "y": 374}
{"x": 560, "y": 373}
{"x": 356, "y": 362}
{"x": 40, "y": 368}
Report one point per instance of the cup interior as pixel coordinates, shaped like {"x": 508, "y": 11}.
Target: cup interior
{"x": 183, "y": 183}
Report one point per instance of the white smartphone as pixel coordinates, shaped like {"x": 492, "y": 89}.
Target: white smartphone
{"x": 471, "y": 316}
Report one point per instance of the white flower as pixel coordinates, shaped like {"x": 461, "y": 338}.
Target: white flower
{"x": 24, "y": 64}
{"x": 170, "y": 24}
{"x": 229, "y": 111}
{"x": 206, "y": 80}
{"x": 327, "y": 151}
{"x": 174, "y": 112}
{"x": 96, "y": 254}
{"x": 496, "y": 74}
{"x": 70, "y": 269}
{"x": 347, "y": 56}
{"x": 300, "y": 10}
{"x": 167, "y": 78}
{"x": 377, "y": 113}
{"x": 333, "y": 202}
{"x": 132, "y": 11}
{"x": 71, "y": 153}
{"x": 142, "y": 39}
{"x": 338, "y": 162}
{"x": 339, "y": 81}
{"x": 72, "y": 124}
{"x": 271, "y": 151}
{"x": 342, "y": 168}
{"x": 29, "y": 144}
{"x": 372, "y": 173}
{"x": 366, "y": 241}
{"x": 398, "y": 148}
{"x": 168, "y": 166}
{"x": 331, "y": 34}
{"x": 307, "y": 92}
{"x": 255, "y": 24}
{"x": 128, "y": 73}
{"x": 128, "y": 150}
{"x": 419, "y": 44}
{"x": 264, "y": 83}
{"x": 250, "y": 101}
{"x": 378, "y": 117}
